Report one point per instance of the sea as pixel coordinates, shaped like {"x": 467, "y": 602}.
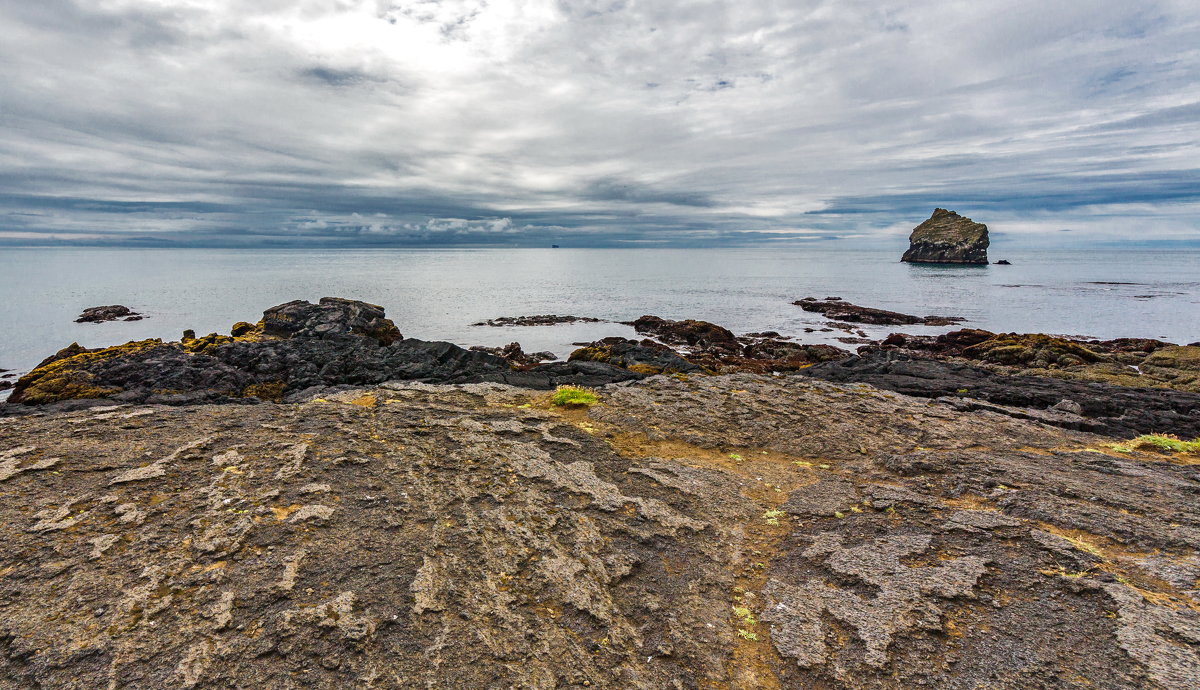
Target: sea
{"x": 437, "y": 294}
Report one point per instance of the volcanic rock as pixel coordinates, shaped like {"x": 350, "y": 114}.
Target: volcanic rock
{"x": 472, "y": 536}
{"x": 646, "y": 356}
{"x": 1104, "y": 408}
{"x": 516, "y": 356}
{"x": 111, "y": 312}
{"x": 840, "y": 310}
{"x": 299, "y": 348}
{"x": 701, "y": 334}
{"x": 948, "y": 238}
{"x": 537, "y": 320}
{"x": 330, "y": 318}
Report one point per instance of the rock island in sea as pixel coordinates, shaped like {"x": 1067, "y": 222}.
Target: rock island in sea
{"x": 965, "y": 510}
{"x": 948, "y": 238}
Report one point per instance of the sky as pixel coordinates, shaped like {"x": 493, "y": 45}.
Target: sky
{"x": 363, "y": 123}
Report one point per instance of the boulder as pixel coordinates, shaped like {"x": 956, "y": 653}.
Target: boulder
{"x": 332, "y": 317}
{"x": 948, "y": 238}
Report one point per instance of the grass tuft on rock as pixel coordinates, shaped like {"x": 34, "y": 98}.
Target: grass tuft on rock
{"x": 1166, "y": 443}
{"x": 573, "y": 396}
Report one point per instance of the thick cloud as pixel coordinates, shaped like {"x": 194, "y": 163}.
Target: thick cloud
{"x": 593, "y": 122}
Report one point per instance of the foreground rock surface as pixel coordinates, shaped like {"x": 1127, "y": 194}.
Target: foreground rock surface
{"x": 948, "y": 238}
{"x": 732, "y": 531}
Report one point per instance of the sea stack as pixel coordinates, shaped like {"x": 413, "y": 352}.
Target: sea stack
{"x": 947, "y": 238}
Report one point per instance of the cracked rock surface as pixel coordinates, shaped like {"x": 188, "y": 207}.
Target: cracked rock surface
{"x": 736, "y": 531}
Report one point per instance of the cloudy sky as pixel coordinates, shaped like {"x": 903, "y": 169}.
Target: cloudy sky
{"x": 594, "y": 122}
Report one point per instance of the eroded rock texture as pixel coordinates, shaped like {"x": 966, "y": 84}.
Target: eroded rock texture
{"x": 729, "y": 531}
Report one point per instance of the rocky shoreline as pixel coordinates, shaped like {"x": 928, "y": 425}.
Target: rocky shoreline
{"x": 965, "y": 510}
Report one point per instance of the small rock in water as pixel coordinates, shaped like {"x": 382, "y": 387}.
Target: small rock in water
{"x": 536, "y": 320}
{"x": 111, "y": 312}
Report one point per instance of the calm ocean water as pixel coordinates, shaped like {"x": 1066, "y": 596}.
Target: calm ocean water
{"x": 437, "y": 294}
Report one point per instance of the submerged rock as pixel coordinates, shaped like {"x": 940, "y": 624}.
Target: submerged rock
{"x": 111, "y": 312}
{"x": 536, "y": 320}
{"x": 948, "y": 238}
{"x": 840, "y": 310}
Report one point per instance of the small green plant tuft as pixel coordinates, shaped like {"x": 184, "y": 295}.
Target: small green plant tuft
{"x": 772, "y": 516}
{"x": 573, "y": 396}
{"x": 747, "y": 635}
{"x": 1166, "y": 443}
{"x": 745, "y": 614}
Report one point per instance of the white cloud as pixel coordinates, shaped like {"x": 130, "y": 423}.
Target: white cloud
{"x": 614, "y": 118}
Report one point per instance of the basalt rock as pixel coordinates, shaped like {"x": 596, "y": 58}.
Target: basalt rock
{"x": 840, "y": 310}
{"x": 948, "y": 238}
{"x": 111, "y": 312}
{"x": 646, "y": 356}
{"x": 330, "y": 318}
{"x": 735, "y": 531}
{"x": 298, "y": 347}
{"x": 537, "y": 320}
{"x": 1103, "y": 408}
{"x": 691, "y": 332}
{"x": 516, "y": 356}
{"x": 1136, "y": 362}
{"x": 705, "y": 346}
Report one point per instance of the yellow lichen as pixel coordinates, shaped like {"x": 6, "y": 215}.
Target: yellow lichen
{"x": 66, "y": 379}
{"x": 271, "y": 391}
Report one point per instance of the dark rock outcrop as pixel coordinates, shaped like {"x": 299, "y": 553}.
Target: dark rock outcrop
{"x": 111, "y": 312}
{"x": 330, "y": 318}
{"x": 717, "y": 350}
{"x": 948, "y": 238}
{"x": 840, "y": 310}
{"x": 296, "y": 347}
{"x": 1103, "y": 408}
{"x": 1136, "y": 362}
{"x": 646, "y": 356}
{"x": 516, "y": 356}
{"x": 692, "y": 332}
